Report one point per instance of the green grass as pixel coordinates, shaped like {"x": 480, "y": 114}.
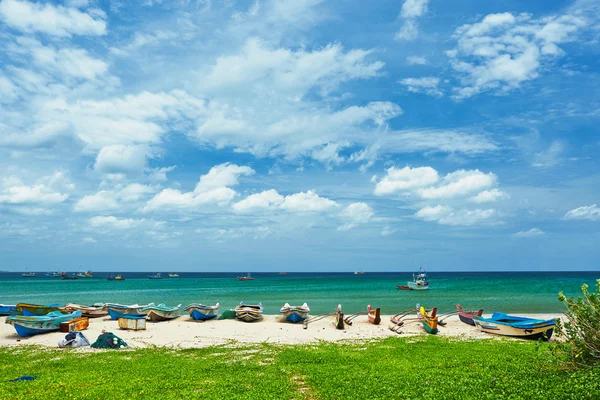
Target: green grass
{"x": 395, "y": 368}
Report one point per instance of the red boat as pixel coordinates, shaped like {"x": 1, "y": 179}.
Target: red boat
{"x": 374, "y": 315}
{"x": 401, "y": 287}
{"x": 467, "y": 316}
{"x": 248, "y": 277}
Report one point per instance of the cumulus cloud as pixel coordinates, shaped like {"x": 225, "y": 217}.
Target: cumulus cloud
{"x": 213, "y": 188}
{"x": 489, "y": 196}
{"x": 504, "y": 50}
{"x": 52, "y": 20}
{"x": 406, "y": 179}
{"x": 416, "y": 60}
{"x": 43, "y": 192}
{"x": 411, "y": 10}
{"x": 448, "y": 216}
{"x": 119, "y": 158}
{"x": 355, "y": 214}
{"x": 590, "y": 213}
{"x": 533, "y": 232}
{"x": 301, "y": 202}
{"x": 109, "y": 200}
{"x": 459, "y": 183}
{"x": 427, "y": 85}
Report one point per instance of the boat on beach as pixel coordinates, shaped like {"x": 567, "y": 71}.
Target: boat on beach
{"x": 34, "y": 325}
{"x": 295, "y": 314}
{"x": 155, "y": 276}
{"x": 511, "y": 325}
{"x": 201, "y": 312}
{"x": 37, "y": 309}
{"x": 117, "y": 311}
{"x": 374, "y": 315}
{"x": 162, "y": 313}
{"x": 429, "y": 320}
{"x": 93, "y": 311}
{"x": 466, "y": 316}
{"x": 339, "y": 317}
{"x": 8, "y": 309}
{"x": 249, "y": 312}
{"x": 248, "y": 277}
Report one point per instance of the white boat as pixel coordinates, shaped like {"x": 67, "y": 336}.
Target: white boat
{"x": 419, "y": 281}
{"x": 359, "y": 272}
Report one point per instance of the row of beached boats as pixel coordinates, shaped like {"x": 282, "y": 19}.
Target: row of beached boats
{"x": 32, "y": 319}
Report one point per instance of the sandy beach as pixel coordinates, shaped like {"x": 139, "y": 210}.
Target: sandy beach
{"x": 184, "y": 332}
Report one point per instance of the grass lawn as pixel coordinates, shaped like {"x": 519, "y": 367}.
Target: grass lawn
{"x": 395, "y": 368}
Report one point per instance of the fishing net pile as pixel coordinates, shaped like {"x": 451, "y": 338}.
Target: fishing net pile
{"x": 227, "y": 314}
{"x": 108, "y": 340}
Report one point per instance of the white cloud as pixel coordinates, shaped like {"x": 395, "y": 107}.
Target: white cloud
{"x": 549, "y": 157}
{"x": 411, "y": 10}
{"x": 405, "y": 179}
{"x": 416, "y": 60}
{"x": 459, "y": 183}
{"x": 591, "y": 213}
{"x": 89, "y": 240}
{"x": 427, "y": 85}
{"x": 307, "y": 202}
{"x": 429, "y": 140}
{"x": 143, "y": 39}
{"x": 489, "y": 196}
{"x": 355, "y": 214}
{"x": 259, "y": 201}
{"x": 533, "y": 232}
{"x": 388, "y": 230}
{"x": 119, "y": 158}
{"x": 503, "y": 51}
{"x": 212, "y": 189}
{"x": 50, "y": 19}
{"x": 447, "y": 216}
{"x": 43, "y": 191}
{"x": 111, "y": 222}
{"x": 109, "y": 200}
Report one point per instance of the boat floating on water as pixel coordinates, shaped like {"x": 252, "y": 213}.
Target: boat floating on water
{"x": 173, "y": 275}
{"x": 248, "y": 277}
{"x": 249, "y": 312}
{"x": 28, "y": 274}
{"x": 34, "y": 325}
{"x": 511, "y": 325}
{"x": 201, "y": 312}
{"x": 359, "y": 272}
{"x": 295, "y": 314}
{"x": 155, "y": 276}
{"x": 115, "y": 278}
{"x": 162, "y": 313}
{"x": 419, "y": 282}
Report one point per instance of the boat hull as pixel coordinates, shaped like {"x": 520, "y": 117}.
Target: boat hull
{"x": 32, "y": 310}
{"x": 134, "y": 313}
{"x": 415, "y": 286}
{"x": 6, "y": 309}
{"x": 249, "y": 313}
{"x": 295, "y": 316}
{"x": 374, "y": 315}
{"x": 536, "y": 329}
{"x": 157, "y": 316}
{"x": 35, "y": 325}
{"x": 201, "y": 315}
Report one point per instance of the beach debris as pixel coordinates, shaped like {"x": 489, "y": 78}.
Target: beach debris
{"x": 74, "y": 339}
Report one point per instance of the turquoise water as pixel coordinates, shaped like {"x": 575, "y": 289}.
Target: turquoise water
{"x": 507, "y": 292}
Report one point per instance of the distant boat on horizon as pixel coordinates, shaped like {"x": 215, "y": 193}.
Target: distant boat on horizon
{"x": 115, "y": 278}
{"x": 28, "y": 274}
{"x": 155, "y": 276}
{"x": 248, "y": 277}
{"x": 173, "y": 275}
{"x": 359, "y": 272}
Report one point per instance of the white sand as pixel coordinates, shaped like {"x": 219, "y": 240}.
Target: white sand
{"x": 185, "y": 332}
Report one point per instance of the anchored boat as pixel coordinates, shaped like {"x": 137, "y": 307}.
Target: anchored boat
{"x": 155, "y": 276}
{"x": 295, "y": 314}
{"x": 248, "y": 277}
{"x": 200, "y": 312}
{"x": 34, "y": 325}
{"x": 510, "y": 325}
{"x": 249, "y": 312}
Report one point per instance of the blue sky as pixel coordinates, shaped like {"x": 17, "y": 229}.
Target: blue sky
{"x": 303, "y": 135}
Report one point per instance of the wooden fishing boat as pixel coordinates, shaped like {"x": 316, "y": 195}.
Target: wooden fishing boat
{"x": 339, "y": 317}
{"x": 248, "y": 277}
{"x": 155, "y": 276}
{"x": 68, "y": 277}
{"x": 249, "y": 312}
{"x": 115, "y": 278}
{"x": 33, "y": 325}
{"x": 200, "y": 312}
{"x": 295, "y": 314}
{"x": 467, "y": 316}
{"x": 173, "y": 275}
{"x": 419, "y": 281}
{"x": 374, "y": 315}
{"x": 28, "y": 274}
{"x": 117, "y": 311}
{"x": 162, "y": 313}
{"x": 8, "y": 309}
{"x": 429, "y": 321}
{"x": 93, "y": 311}
{"x": 37, "y": 309}
{"x": 402, "y": 287}
{"x": 510, "y": 325}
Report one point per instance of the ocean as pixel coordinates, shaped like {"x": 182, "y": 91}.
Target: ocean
{"x": 509, "y": 292}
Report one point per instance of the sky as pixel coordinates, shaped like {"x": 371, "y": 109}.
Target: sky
{"x": 307, "y": 135}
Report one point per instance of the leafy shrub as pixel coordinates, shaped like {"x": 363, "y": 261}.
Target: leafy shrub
{"x": 581, "y": 330}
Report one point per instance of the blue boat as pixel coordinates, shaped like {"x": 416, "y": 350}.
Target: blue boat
{"x": 117, "y": 311}
{"x": 200, "y": 312}
{"x": 295, "y": 314}
{"x": 511, "y": 325}
{"x": 8, "y": 309}
{"x": 34, "y": 325}
{"x": 155, "y": 276}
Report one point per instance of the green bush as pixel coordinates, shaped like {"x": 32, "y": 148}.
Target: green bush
{"x": 581, "y": 330}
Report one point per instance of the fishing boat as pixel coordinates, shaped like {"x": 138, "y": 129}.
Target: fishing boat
{"x": 68, "y": 277}
{"x": 117, "y": 311}
{"x": 94, "y": 311}
{"x": 81, "y": 275}
{"x": 248, "y": 277}
{"x": 429, "y": 320}
{"x": 404, "y": 287}
{"x": 55, "y": 274}
{"x": 37, "y": 309}
{"x": 419, "y": 281}
{"x": 200, "y": 312}
{"x": 295, "y": 314}
{"x": 87, "y": 274}
{"x": 155, "y": 276}
{"x": 339, "y": 317}
{"x": 173, "y": 275}
{"x": 359, "y": 272}
{"x": 162, "y": 313}
{"x": 374, "y": 315}
{"x": 8, "y": 309}
{"x": 249, "y": 312}
{"x": 467, "y": 316}
{"x": 115, "y": 278}
{"x": 33, "y": 325}
{"x": 510, "y": 325}
{"x": 28, "y": 274}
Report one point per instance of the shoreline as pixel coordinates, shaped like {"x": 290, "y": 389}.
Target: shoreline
{"x": 184, "y": 332}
